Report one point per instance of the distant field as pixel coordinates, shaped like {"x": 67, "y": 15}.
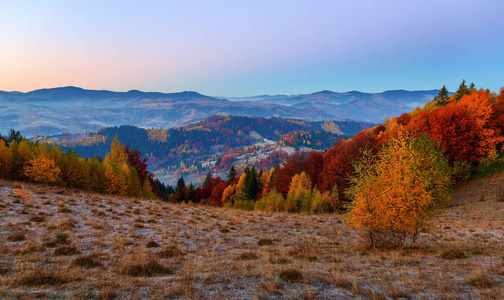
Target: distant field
{"x": 126, "y": 248}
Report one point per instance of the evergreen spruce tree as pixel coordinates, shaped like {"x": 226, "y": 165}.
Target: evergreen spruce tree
{"x": 232, "y": 174}
{"x": 442, "y": 97}
{"x": 190, "y": 193}
{"x": 14, "y": 136}
{"x": 208, "y": 178}
{"x": 251, "y": 184}
{"x": 180, "y": 189}
{"x": 462, "y": 90}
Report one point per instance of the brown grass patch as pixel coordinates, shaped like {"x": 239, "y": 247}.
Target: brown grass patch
{"x": 39, "y": 276}
{"x": 87, "y": 261}
{"x": 247, "y": 256}
{"x": 108, "y": 293}
{"x": 453, "y": 253}
{"x": 265, "y": 242}
{"x": 152, "y": 244}
{"x": 169, "y": 252}
{"x": 16, "y": 237}
{"x": 481, "y": 281}
{"x": 141, "y": 263}
{"x": 291, "y": 275}
{"x": 65, "y": 251}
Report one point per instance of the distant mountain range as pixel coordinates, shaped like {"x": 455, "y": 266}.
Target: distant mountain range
{"x": 73, "y": 109}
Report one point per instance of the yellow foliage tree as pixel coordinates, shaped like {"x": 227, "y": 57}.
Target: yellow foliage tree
{"x": 240, "y": 186}
{"x": 147, "y": 190}
{"x": 42, "y": 169}
{"x": 5, "y": 160}
{"x": 116, "y": 181}
{"x": 117, "y": 152}
{"x": 299, "y": 195}
{"x": 229, "y": 191}
{"x": 272, "y": 202}
{"x": 395, "y": 193}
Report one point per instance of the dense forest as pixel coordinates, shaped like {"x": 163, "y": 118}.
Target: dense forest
{"x": 220, "y": 140}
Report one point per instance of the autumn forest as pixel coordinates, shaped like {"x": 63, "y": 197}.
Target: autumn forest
{"x": 409, "y": 164}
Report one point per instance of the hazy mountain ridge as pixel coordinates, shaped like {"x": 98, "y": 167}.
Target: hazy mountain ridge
{"x": 52, "y": 111}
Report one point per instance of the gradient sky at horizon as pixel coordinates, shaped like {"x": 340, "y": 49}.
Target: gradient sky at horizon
{"x": 245, "y": 48}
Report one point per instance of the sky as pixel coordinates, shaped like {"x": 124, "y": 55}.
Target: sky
{"x": 244, "y": 48}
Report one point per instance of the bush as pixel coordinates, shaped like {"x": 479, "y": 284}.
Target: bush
{"x": 462, "y": 170}
{"x": 272, "y": 202}
{"x": 61, "y": 237}
{"x": 244, "y": 204}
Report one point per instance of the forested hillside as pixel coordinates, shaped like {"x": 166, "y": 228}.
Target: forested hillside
{"x": 214, "y": 144}
{"x": 407, "y": 164}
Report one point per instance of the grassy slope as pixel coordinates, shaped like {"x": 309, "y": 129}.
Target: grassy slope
{"x": 222, "y": 257}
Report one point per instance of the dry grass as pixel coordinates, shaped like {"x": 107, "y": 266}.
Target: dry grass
{"x": 124, "y": 248}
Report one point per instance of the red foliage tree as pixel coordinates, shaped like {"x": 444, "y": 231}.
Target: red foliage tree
{"x": 338, "y": 160}
{"x": 314, "y": 166}
{"x": 293, "y": 165}
{"x": 205, "y": 192}
{"x": 456, "y": 130}
{"x": 140, "y": 164}
{"x": 497, "y": 118}
{"x": 215, "y": 197}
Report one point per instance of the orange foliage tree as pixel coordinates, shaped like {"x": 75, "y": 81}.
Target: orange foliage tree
{"x": 395, "y": 192}
{"x": 467, "y": 129}
{"x": 42, "y": 169}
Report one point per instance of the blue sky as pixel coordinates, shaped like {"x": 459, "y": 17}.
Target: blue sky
{"x": 239, "y": 48}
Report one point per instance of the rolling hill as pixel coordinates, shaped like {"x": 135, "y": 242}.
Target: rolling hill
{"x": 117, "y": 247}
{"x": 77, "y": 110}
{"x": 213, "y": 144}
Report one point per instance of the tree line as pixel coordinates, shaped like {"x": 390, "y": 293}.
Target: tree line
{"x": 123, "y": 171}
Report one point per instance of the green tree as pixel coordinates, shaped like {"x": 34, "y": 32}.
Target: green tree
{"x": 232, "y": 174}
{"x": 442, "y": 97}
{"x": 462, "y": 90}
{"x": 180, "y": 190}
{"x": 251, "y": 183}
{"x": 190, "y": 192}
{"x": 208, "y": 178}
{"x": 14, "y": 136}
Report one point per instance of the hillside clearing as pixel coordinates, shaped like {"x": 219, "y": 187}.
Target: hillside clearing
{"x": 127, "y": 248}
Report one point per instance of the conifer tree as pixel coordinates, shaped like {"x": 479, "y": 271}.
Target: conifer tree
{"x": 232, "y": 174}
{"x": 462, "y": 90}
{"x": 208, "y": 178}
{"x": 190, "y": 192}
{"x": 180, "y": 190}
{"x": 442, "y": 97}
{"x": 251, "y": 183}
